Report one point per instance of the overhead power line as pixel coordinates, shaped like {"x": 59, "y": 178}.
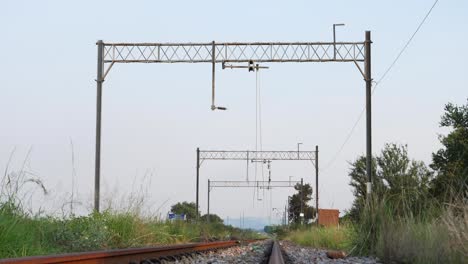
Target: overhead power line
{"x": 348, "y": 137}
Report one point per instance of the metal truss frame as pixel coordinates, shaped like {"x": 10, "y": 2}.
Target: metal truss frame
{"x": 252, "y": 184}
{"x": 234, "y": 52}
{"x": 249, "y": 184}
{"x": 109, "y": 54}
{"x": 255, "y": 156}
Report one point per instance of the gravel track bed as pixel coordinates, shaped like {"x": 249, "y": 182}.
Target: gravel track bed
{"x": 302, "y": 255}
{"x": 255, "y": 252}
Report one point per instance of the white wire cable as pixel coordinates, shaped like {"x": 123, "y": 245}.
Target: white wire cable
{"x": 256, "y": 133}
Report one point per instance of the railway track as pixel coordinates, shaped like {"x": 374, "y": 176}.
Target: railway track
{"x": 276, "y": 255}
{"x": 148, "y": 255}
{"x": 134, "y": 255}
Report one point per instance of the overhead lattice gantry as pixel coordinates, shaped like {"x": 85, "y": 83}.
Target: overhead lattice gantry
{"x": 255, "y": 156}
{"x": 251, "y": 184}
{"x": 233, "y": 52}
{"x": 230, "y": 52}
{"x": 214, "y": 53}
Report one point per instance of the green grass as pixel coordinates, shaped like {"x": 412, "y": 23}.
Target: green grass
{"x": 21, "y": 236}
{"x": 338, "y": 238}
{"x": 24, "y": 235}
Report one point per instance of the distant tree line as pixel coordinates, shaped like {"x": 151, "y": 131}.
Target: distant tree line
{"x": 191, "y": 213}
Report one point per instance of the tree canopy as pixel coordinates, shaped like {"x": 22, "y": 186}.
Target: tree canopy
{"x": 403, "y": 181}
{"x": 189, "y": 209}
{"x": 214, "y": 218}
{"x": 295, "y": 204}
{"x": 451, "y": 161}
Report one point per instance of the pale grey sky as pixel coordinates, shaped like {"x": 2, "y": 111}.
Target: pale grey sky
{"x": 154, "y": 116}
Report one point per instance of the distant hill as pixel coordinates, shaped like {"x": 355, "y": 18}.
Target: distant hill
{"x": 255, "y": 223}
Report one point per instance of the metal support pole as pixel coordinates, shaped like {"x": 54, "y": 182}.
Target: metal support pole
{"x": 334, "y": 39}
{"x": 334, "y": 42}
{"x": 368, "y": 79}
{"x": 247, "y": 165}
{"x": 316, "y": 183}
{"x": 298, "y": 144}
{"x": 198, "y": 178}
{"x": 208, "y": 210}
{"x": 302, "y": 202}
{"x": 285, "y": 215}
{"x": 99, "y": 81}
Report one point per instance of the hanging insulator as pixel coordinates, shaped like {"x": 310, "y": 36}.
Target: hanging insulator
{"x": 251, "y": 66}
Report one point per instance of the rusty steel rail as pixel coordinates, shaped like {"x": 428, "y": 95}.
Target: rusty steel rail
{"x": 276, "y": 256}
{"x": 134, "y": 255}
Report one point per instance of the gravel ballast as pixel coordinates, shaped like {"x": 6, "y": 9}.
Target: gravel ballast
{"x": 302, "y": 255}
{"x": 255, "y": 252}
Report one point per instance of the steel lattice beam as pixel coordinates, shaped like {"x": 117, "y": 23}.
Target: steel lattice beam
{"x": 256, "y": 155}
{"x": 249, "y": 184}
{"x": 233, "y": 52}
{"x": 254, "y": 184}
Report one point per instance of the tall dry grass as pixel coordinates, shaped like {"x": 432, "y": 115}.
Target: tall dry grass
{"x": 434, "y": 235}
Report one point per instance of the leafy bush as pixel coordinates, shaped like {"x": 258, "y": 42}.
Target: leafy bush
{"x": 80, "y": 233}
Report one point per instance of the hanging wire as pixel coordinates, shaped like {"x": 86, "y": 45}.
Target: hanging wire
{"x": 257, "y": 192}
{"x": 260, "y": 123}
